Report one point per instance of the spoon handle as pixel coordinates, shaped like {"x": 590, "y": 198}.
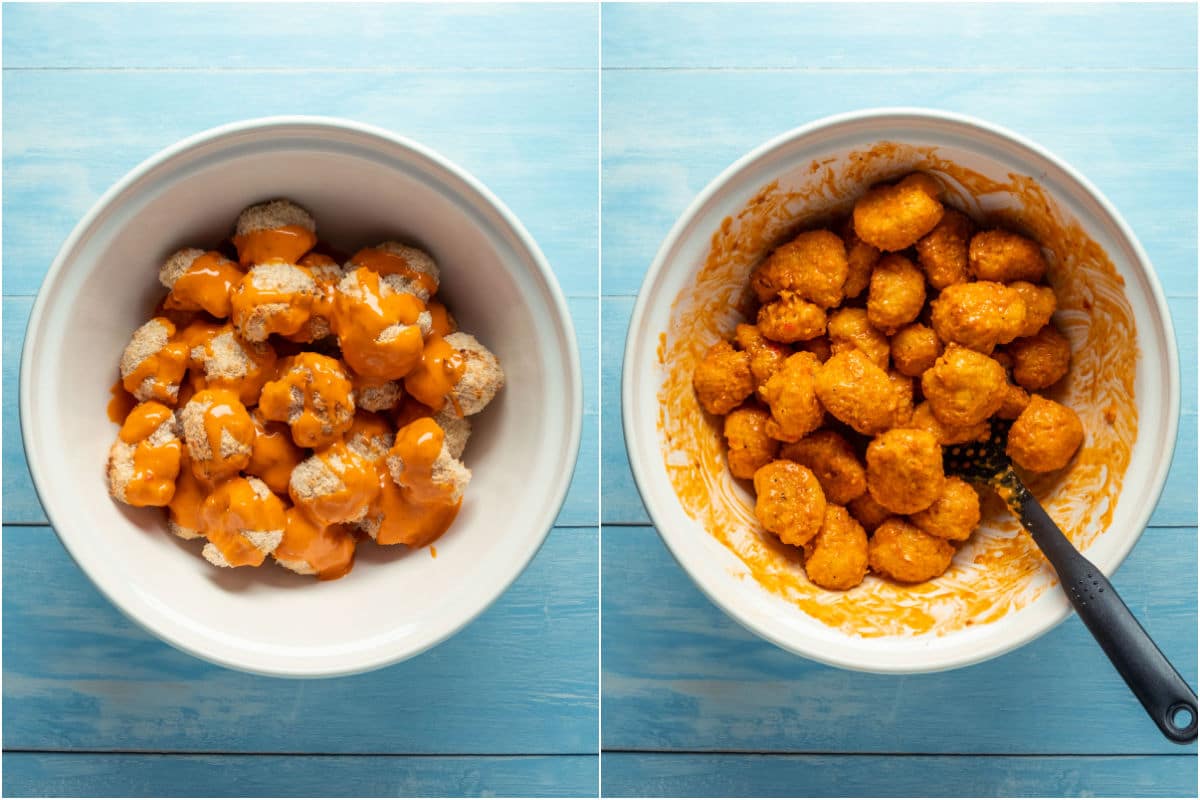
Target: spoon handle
{"x": 1167, "y": 698}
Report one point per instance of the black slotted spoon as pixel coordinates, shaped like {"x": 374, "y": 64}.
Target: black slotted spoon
{"x": 1167, "y": 698}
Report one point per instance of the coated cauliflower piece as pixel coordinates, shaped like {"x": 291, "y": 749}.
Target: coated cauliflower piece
{"x": 481, "y": 377}
{"x": 790, "y": 318}
{"x": 327, "y": 274}
{"x": 143, "y": 462}
{"x": 836, "y": 558}
{"x": 954, "y": 515}
{"x": 790, "y": 503}
{"x": 868, "y": 512}
{"x": 915, "y": 348}
{"x": 275, "y": 297}
{"x": 1040, "y": 305}
{"x": 792, "y": 397}
{"x": 309, "y": 548}
{"x": 925, "y": 419}
{"x": 1045, "y": 437}
{"x": 897, "y": 293}
{"x": 978, "y": 315}
{"x": 904, "y": 470}
{"x": 832, "y": 459}
{"x": 766, "y": 357}
{"x": 1041, "y": 360}
{"x": 243, "y": 521}
{"x": 905, "y": 553}
{"x": 964, "y": 387}
{"x": 219, "y": 434}
{"x": 224, "y": 360}
{"x": 723, "y": 379}
{"x": 273, "y": 455}
{"x": 199, "y": 281}
{"x": 893, "y": 217}
{"x": 1016, "y": 400}
{"x": 378, "y": 396}
{"x": 277, "y": 230}
{"x": 381, "y": 325}
{"x": 861, "y": 259}
{"x": 851, "y": 329}
{"x": 749, "y": 444}
{"x": 416, "y": 268}
{"x": 314, "y": 396}
{"x": 153, "y": 364}
{"x": 942, "y": 252}
{"x": 857, "y": 392}
{"x": 999, "y": 255}
{"x": 813, "y": 265}
{"x": 335, "y": 484}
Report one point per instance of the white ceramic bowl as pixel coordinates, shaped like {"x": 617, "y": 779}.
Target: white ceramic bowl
{"x": 363, "y": 185}
{"x": 797, "y": 159}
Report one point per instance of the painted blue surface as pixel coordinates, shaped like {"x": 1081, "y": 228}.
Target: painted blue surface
{"x": 510, "y": 705}
{"x": 687, "y": 694}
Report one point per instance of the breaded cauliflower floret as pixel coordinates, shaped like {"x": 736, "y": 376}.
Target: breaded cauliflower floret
{"x": 1045, "y": 437}
{"x": 1042, "y": 360}
{"x": 370, "y": 436}
{"x": 273, "y": 455}
{"x": 766, "y": 357}
{"x": 183, "y": 512}
{"x": 818, "y": 346}
{"x": 833, "y": 460}
{"x": 723, "y": 379}
{"x": 813, "y": 265}
{"x": 954, "y": 514}
{"x": 1016, "y": 400}
{"x": 416, "y": 269}
{"x": 791, "y": 394}
{"x": 850, "y": 328}
{"x": 894, "y": 216}
{"x": 790, "y": 318}
{"x": 153, "y": 366}
{"x": 244, "y": 523}
{"x": 314, "y": 396}
{"x": 1040, "y": 305}
{"x": 456, "y": 430}
{"x": 868, "y": 512}
{"x": 749, "y": 444}
{"x": 381, "y": 326}
{"x": 790, "y": 503}
{"x": 219, "y": 433}
{"x": 904, "y": 470}
{"x": 858, "y": 392}
{"x": 276, "y": 297}
{"x": 446, "y": 470}
{"x": 227, "y": 361}
{"x": 915, "y": 348}
{"x": 902, "y": 385}
{"x": 905, "y": 553}
{"x": 999, "y": 255}
{"x": 143, "y": 462}
{"x": 308, "y": 548}
{"x": 897, "y": 293}
{"x": 379, "y": 396}
{"x": 277, "y": 230}
{"x": 335, "y": 484}
{"x": 199, "y": 281}
{"x": 943, "y": 251}
{"x": 326, "y": 274}
{"x": 861, "y": 259}
{"x": 836, "y": 558}
{"x": 482, "y": 376}
{"x": 964, "y": 387}
{"x": 924, "y": 419}
{"x": 978, "y": 315}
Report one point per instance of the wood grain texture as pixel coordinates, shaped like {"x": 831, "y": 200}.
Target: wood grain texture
{"x": 734, "y": 775}
{"x": 522, "y": 679}
{"x": 681, "y": 675}
{"x": 128, "y": 775}
{"x": 897, "y": 37}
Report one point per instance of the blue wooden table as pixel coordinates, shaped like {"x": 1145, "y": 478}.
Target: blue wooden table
{"x": 694, "y": 705}
{"x": 94, "y": 705}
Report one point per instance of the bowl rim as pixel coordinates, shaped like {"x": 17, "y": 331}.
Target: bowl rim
{"x": 892, "y": 114}
{"x": 556, "y": 494}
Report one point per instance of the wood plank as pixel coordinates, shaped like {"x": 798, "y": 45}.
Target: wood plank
{"x": 21, "y": 505}
{"x": 79, "y": 676}
{"x": 1132, "y": 134}
{"x": 92, "y": 775}
{"x": 359, "y": 36}
{"x": 734, "y": 775}
{"x": 900, "y": 36}
{"x": 530, "y": 136}
{"x": 678, "y": 674}
{"x": 623, "y": 505}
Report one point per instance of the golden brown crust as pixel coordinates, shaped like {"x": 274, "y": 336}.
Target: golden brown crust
{"x": 897, "y": 293}
{"x": 833, "y": 460}
{"x": 1041, "y": 360}
{"x": 964, "y": 387}
{"x": 905, "y": 553}
{"x": 904, "y": 470}
{"x": 813, "y": 265}
{"x": 836, "y": 558}
{"x": 723, "y": 380}
{"x": 790, "y": 503}
{"x": 1045, "y": 437}
{"x": 943, "y": 251}
{"x": 750, "y": 446}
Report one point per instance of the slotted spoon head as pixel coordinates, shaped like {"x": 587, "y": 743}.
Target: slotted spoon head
{"x": 984, "y": 461}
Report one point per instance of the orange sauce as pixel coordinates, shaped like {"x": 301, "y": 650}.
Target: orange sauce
{"x": 360, "y": 485}
{"x": 273, "y": 455}
{"x": 120, "y": 403}
{"x": 999, "y": 570}
{"x": 435, "y": 375}
{"x": 190, "y": 494}
{"x": 410, "y": 410}
{"x": 247, "y": 297}
{"x": 233, "y": 507}
{"x": 225, "y": 413}
{"x": 359, "y": 322}
{"x": 288, "y": 244}
{"x": 370, "y": 426}
{"x": 205, "y": 285}
{"x": 432, "y": 551}
{"x": 165, "y": 368}
{"x": 155, "y": 467}
{"x": 385, "y": 263}
{"x": 328, "y": 549}
{"x": 262, "y": 360}
{"x": 417, "y": 510}
{"x": 323, "y": 384}
{"x": 443, "y": 323}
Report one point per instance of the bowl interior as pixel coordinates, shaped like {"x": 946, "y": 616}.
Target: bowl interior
{"x": 362, "y": 188}
{"x": 1124, "y": 383}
